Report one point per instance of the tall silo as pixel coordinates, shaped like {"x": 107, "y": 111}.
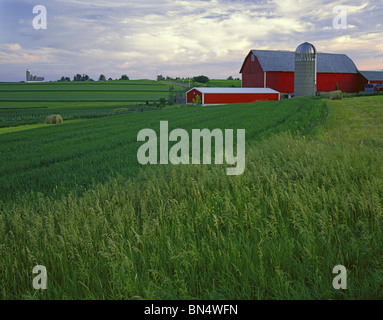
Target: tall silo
{"x": 305, "y": 78}
{"x": 29, "y": 76}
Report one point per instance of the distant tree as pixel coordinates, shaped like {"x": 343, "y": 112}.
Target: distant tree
{"x": 172, "y": 97}
{"x": 161, "y": 103}
{"x": 64, "y": 79}
{"x": 201, "y": 79}
{"x": 77, "y": 77}
{"x": 101, "y": 78}
{"x": 160, "y": 77}
{"x": 110, "y": 79}
{"x": 230, "y": 78}
{"x": 124, "y": 77}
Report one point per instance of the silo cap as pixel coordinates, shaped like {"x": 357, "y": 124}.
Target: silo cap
{"x": 306, "y": 48}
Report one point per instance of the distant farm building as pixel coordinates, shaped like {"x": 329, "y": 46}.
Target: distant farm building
{"x": 216, "y": 96}
{"x": 275, "y": 69}
{"x": 372, "y": 77}
{"x": 31, "y": 78}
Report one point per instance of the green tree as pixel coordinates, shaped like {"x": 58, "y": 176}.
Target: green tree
{"x": 161, "y": 103}
{"x": 172, "y": 97}
{"x": 64, "y": 79}
{"x": 124, "y": 77}
{"x": 201, "y": 79}
{"x": 197, "y": 101}
{"x": 102, "y": 78}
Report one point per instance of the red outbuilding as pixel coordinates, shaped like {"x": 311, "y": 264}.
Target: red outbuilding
{"x": 275, "y": 69}
{"x": 372, "y": 77}
{"x": 215, "y": 96}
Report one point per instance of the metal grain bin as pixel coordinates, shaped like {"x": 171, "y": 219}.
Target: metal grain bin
{"x": 305, "y": 77}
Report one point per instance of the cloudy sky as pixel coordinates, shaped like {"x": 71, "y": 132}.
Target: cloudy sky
{"x": 183, "y": 38}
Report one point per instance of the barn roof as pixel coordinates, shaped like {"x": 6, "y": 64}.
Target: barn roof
{"x": 284, "y": 61}
{"x": 234, "y": 90}
{"x": 372, "y": 75}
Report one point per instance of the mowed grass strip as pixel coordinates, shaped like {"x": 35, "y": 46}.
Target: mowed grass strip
{"x": 362, "y": 124}
{"x": 21, "y": 128}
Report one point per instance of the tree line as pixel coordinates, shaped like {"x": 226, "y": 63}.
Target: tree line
{"x": 85, "y": 77}
{"x": 199, "y": 79}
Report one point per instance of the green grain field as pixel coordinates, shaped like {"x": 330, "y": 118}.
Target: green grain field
{"x": 31, "y": 103}
{"x": 74, "y": 199}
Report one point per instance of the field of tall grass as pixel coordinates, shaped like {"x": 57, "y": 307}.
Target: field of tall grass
{"x": 310, "y": 199}
{"x": 54, "y": 159}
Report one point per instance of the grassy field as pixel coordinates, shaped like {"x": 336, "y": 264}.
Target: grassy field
{"x": 31, "y": 103}
{"x": 74, "y": 199}
{"x": 127, "y": 86}
{"x": 84, "y": 152}
{"x": 54, "y": 96}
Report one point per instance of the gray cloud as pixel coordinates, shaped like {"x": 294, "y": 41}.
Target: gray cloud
{"x": 176, "y": 38}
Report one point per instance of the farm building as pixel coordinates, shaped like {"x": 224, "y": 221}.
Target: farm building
{"x": 275, "y": 69}
{"x": 371, "y": 77}
{"x": 215, "y": 96}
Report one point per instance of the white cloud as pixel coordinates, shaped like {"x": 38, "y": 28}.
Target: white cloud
{"x": 11, "y": 46}
{"x": 182, "y": 37}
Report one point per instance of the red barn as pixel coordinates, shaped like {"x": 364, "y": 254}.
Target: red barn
{"x": 215, "y": 96}
{"x": 275, "y": 69}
